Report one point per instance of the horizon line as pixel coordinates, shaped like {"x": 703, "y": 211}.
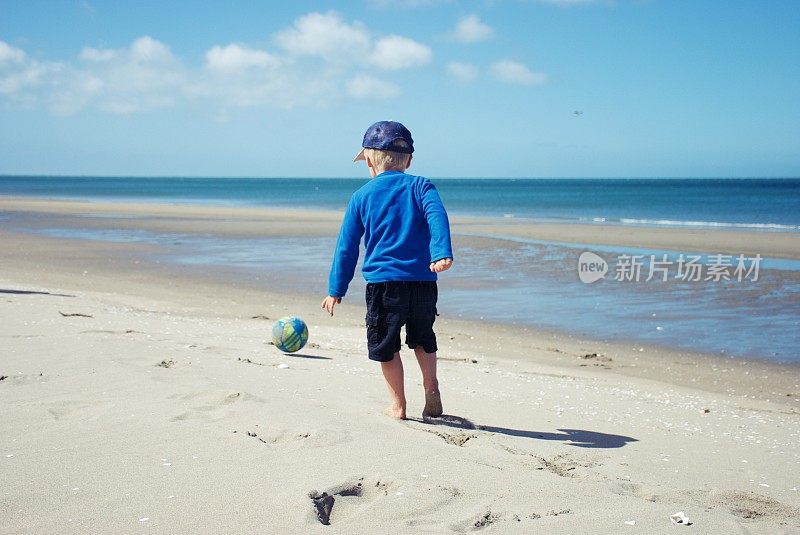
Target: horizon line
{"x": 266, "y": 177}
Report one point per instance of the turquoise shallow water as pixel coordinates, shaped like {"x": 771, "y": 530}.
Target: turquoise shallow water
{"x": 522, "y": 282}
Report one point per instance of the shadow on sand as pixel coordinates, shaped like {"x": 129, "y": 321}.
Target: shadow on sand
{"x": 307, "y": 356}
{"x": 574, "y": 437}
{"x": 30, "y": 292}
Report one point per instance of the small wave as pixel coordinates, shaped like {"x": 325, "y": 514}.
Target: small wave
{"x": 673, "y": 223}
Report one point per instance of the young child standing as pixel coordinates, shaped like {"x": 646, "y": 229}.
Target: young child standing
{"x": 407, "y": 242}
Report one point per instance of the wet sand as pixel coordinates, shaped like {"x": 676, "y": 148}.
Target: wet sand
{"x": 252, "y": 221}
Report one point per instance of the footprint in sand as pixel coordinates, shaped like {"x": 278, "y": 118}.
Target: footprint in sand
{"x": 482, "y": 520}
{"x": 565, "y": 465}
{"x": 562, "y": 465}
{"x": 83, "y": 411}
{"x": 432, "y": 511}
{"x": 277, "y": 439}
{"x": 749, "y": 505}
{"x": 217, "y": 406}
{"x": 232, "y": 398}
{"x": 635, "y": 490}
{"x": 344, "y": 501}
{"x": 293, "y": 440}
{"x": 22, "y": 378}
{"x": 456, "y": 438}
{"x": 488, "y": 518}
{"x": 202, "y": 412}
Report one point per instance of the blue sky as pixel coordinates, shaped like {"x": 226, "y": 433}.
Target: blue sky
{"x": 488, "y": 88}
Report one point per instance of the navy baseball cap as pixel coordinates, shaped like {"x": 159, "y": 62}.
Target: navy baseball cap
{"x": 383, "y": 136}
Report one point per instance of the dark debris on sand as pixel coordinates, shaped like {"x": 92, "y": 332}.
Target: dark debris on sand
{"x": 598, "y": 359}
{"x": 166, "y": 364}
{"x": 323, "y": 502}
{"x": 248, "y": 361}
{"x": 255, "y": 435}
{"x": 596, "y": 356}
{"x": 486, "y": 519}
{"x": 75, "y": 315}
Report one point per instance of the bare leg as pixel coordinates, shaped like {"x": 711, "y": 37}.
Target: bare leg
{"x": 433, "y": 400}
{"x": 393, "y": 374}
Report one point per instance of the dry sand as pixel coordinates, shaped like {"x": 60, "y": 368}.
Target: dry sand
{"x": 162, "y": 407}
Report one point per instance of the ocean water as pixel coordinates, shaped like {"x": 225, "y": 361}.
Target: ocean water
{"x": 765, "y": 204}
{"x": 505, "y": 279}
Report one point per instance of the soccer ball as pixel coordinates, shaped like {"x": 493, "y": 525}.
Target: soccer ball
{"x": 290, "y": 334}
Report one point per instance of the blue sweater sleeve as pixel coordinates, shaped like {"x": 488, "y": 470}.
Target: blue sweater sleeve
{"x": 438, "y": 222}
{"x": 345, "y": 257}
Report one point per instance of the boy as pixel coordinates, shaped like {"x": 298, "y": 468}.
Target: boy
{"x": 407, "y": 242}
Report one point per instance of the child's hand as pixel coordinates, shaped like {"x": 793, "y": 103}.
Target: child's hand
{"x": 441, "y": 265}
{"x": 329, "y": 302}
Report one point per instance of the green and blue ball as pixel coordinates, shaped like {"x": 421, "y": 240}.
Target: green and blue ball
{"x": 290, "y": 334}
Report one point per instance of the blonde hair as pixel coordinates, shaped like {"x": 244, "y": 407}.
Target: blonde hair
{"x": 388, "y": 160}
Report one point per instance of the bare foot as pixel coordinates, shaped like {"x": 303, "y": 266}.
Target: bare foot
{"x": 433, "y": 404}
{"x": 393, "y": 411}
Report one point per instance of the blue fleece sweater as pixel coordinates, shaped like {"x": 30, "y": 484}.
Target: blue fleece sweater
{"x": 405, "y": 228}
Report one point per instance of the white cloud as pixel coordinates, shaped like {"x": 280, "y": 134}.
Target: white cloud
{"x": 95, "y": 54}
{"x": 464, "y": 73}
{"x": 246, "y": 77}
{"x": 470, "y": 29}
{"x": 365, "y": 86}
{"x": 315, "y": 62}
{"x": 395, "y": 52}
{"x": 141, "y": 77}
{"x": 9, "y": 54}
{"x": 22, "y": 78}
{"x": 513, "y": 72}
{"x": 325, "y": 35}
{"x": 238, "y": 58}
{"x": 145, "y": 49}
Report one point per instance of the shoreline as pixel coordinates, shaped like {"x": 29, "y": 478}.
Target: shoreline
{"x": 106, "y": 266}
{"x": 267, "y": 223}
{"x": 252, "y": 221}
{"x": 236, "y": 241}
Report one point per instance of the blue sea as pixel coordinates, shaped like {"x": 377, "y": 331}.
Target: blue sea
{"x": 502, "y": 278}
{"x": 769, "y": 204}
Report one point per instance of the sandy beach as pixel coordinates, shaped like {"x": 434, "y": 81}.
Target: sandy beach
{"x": 138, "y": 396}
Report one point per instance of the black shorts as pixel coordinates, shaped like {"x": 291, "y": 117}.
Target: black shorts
{"x": 390, "y": 305}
